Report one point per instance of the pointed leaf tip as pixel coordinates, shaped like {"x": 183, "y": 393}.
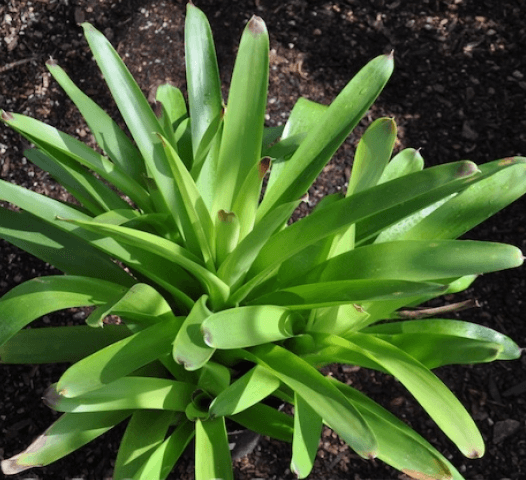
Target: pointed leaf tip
{"x": 51, "y": 397}
{"x": 256, "y": 25}
{"x": 467, "y": 169}
{"x": 264, "y": 165}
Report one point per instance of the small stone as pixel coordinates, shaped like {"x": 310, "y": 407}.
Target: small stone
{"x": 505, "y": 429}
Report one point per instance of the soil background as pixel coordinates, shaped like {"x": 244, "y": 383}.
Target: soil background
{"x": 458, "y": 91}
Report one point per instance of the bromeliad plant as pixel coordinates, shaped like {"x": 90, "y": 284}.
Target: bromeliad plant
{"x": 224, "y": 306}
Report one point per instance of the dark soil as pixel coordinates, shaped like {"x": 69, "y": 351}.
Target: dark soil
{"x": 458, "y": 91}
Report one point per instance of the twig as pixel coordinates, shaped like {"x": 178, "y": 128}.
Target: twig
{"x": 15, "y": 64}
{"x": 429, "y": 312}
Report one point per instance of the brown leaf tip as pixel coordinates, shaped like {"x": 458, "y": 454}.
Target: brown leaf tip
{"x": 256, "y": 25}
{"x": 7, "y": 116}
{"x": 264, "y": 165}
{"x": 467, "y": 169}
{"x": 51, "y": 397}
{"x": 226, "y": 217}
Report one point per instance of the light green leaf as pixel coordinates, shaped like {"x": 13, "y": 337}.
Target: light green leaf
{"x": 119, "y": 359}
{"x": 59, "y": 344}
{"x": 189, "y": 347}
{"x": 70, "y": 432}
{"x": 109, "y": 136}
{"x": 446, "y": 341}
{"x": 324, "y": 398}
{"x": 326, "y": 294}
{"x": 267, "y": 421}
{"x": 429, "y": 391}
{"x": 145, "y": 432}
{"x": 204, "y": 85}
{"x": 247, "y": 326}
{"x": 322, "y": 141}
{"x": 126, "y": 393}
{"x": 246, "y": 391}
{"x": 244, "y": 116}
{"x": 307, "y": 433}
{"x": 212, "y": 455}
{"x": 44, "y": 295}
{"x": 405, "y": 162}
{"x": 395, "y": 439}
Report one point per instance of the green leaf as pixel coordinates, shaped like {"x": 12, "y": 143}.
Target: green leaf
{"x": 213, "y": 378}
{"x": 244, "y": 116}
{"x": 212, "y": 455}
{"x": 59, "y": 344}
{"x": 304, "y": 116}
{"x": 429, "y": 391}
{"x": 372, "y": 155}
{"x": 307, "y": 433}
{"x": 70, "y": 432}
{"x": 145, "y": 432}
{"x": 246, "y": 391}
{"x": 322, "y": 141}
{"x": 506, "y": 182}
{"x": 446, "y": 341}
{"x": 204, "y": 84}
{"x": 415, "y": 261}
{"x": 193, "y": 218}
{"x": 162, "y": 247}
{"x": 172, "y": 106}
{"x": 119, "y": 359}
{"x": 326, "y": 294}
{"x": 247, "y": 326}
{"x": 400, "y": 197}
{"x": 405, "y": 162}
{"x": 61, "y": 249}
{"x": 267, "y": 421}
{"x": 162, "y": 460}
{"x": 63, "y": 146}
{"x": 395, "y": 439}
{"x": 189, "y": 347}
{"x": 109, "y": 136}
{"x": 153, "y": 266}
{"x": 126, "y": 393}
{"x": 44, "y": 295}
{"x": 319, "y": 393}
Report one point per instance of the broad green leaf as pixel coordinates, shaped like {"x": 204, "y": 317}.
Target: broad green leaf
{"x": 126, "y": 393}
{"x": 505, "y": 184}
{"x": 429, "y": 391}
{"x": 405, "y": 162}
{"x": 189, "y": 347}
{"x": 138, "y": 116}
{"x": 307, "y": 433}
{"x": 212, "y": 455}
{"x": 237, "y": 264}
{"x": 246, "y": 391}
{"x": 172, "y": 111}
{"x": 324, "y": 398}
{"x": 326, "y": 294}
{"x": 162, "y": 460}
{"x": 204, "y": 84}
{"x": 270, "y": 136}
{"x": 64, "y": 251}
{"x": 323, "y": 140}
{"x": 170, "y": 251}
{"x": 119, "y": 359}
{"x": 145, "y": 432}
{"x": 304, "y": 116}
{"x": 372, "y": 155}
{"x": 337, "y": 320}
{"x": 59, "y": 344}
{"x": 247, "y": 326}
{"x": 395, "y": 439}
{"x": 400, "y": 197}
{"x": 446, "y": 341}
{"x": 416, "y": 261}
{"x": 213, "y": 378}
{"x": 194, "y": 219}
{"x": 154, "y": 267}
{"x": 60, "y": 145}
{"x": 90, "y": 192}
{"x": 265, "y": 420}
{"x": 113, "y": 141}
{"x": 244, "y": 116}
{"x": 70, "y": 432}
{"x": 44, "y": 295}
